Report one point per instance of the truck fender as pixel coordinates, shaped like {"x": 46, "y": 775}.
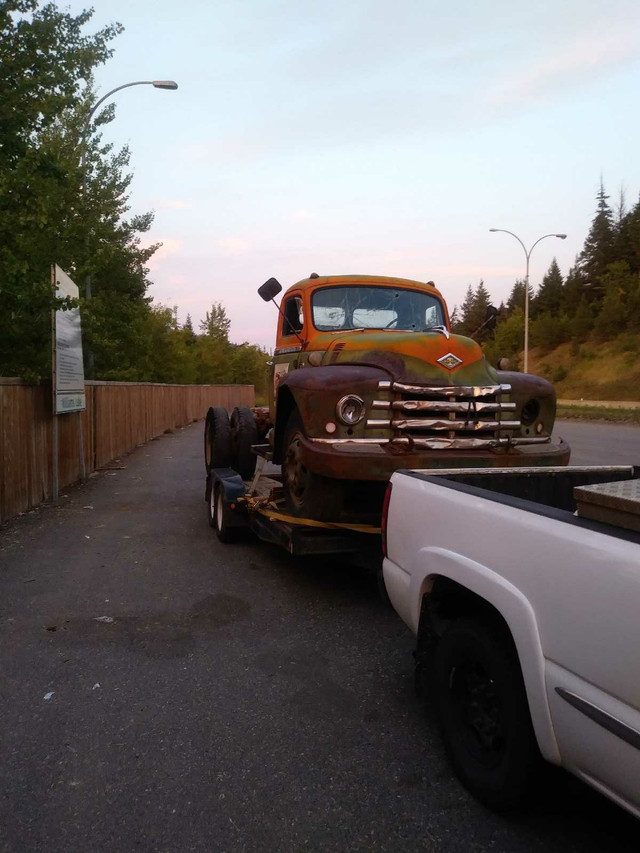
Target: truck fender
{"x": 518, "y": 615}
{"x": 299, "y": 389}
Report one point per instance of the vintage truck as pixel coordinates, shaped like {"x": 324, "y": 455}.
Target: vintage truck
{"x": 523, "y": 590}
{"x": 367, "y": 377}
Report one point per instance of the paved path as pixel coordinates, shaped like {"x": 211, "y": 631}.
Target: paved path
{"x": 231, "y": 700}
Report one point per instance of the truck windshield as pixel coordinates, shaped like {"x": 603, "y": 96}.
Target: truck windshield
{"x": 359, "y": 307}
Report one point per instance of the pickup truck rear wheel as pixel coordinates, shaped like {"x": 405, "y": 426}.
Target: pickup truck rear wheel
{"x": 307, "y": 495}
{"x": 217, "y": 439}
{"x": 482, "y": 710}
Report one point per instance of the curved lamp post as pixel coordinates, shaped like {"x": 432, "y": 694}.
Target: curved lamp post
{"x": 527, "y": 255}
{"x": 157, "y": 84}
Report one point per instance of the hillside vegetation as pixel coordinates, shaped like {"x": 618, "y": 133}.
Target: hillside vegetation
{"x": 584, "y": 329}
{"x": 608, "y": 370}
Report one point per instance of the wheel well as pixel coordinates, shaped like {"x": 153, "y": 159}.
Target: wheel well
{"x": 445, "y": 602}
{"x": 285, "y": 404}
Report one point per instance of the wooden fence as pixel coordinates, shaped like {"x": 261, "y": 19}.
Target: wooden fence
{"x": 119, "y": 416}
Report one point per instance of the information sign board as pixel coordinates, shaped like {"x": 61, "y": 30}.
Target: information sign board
{"x": 68, "y": 366}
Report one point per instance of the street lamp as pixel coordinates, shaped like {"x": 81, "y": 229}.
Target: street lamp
{"x": 157, "y": 84}
{"x": 527, "y": 255}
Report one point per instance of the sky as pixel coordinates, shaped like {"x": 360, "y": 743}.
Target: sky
{"x": 368, "y": 137}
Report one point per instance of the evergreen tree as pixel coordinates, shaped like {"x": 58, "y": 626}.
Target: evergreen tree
{"x": 582, "y": 321}
{"x": 473, "y": 311}
{"x": 216, "y": 324}
{"x": 628, "y": 239}
{"x": 572, "y": 292}
{"x": 599, "y": 250}
{"x": 516, "y": 297}
{"x": 464, "y": 312}
{"x": 549, "y": 297}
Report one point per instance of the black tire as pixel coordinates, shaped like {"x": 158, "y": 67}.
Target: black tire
{"x": 482, "y": 710}
{"x": 217, "y": 439}
{"x": 219, "y": 516}
{"x": 244, "y": 433}
{"x": 307, "y": 495}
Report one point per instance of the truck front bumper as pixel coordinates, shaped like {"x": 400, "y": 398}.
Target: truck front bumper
{"x": 369, "y": 460}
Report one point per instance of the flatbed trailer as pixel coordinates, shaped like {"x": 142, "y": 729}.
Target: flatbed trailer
{"x": 235, "y": 504}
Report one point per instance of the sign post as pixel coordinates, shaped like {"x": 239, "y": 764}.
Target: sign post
{"x": 68, "y": 368}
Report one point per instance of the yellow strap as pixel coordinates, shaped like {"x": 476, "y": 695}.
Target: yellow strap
{"x": 310, "y": 522}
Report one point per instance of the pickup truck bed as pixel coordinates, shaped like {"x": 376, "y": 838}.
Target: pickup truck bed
{"x": 527, "y": 626}
{"x": 549, "y": 492}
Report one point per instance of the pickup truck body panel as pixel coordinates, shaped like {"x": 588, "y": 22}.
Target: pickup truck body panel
{"x": 568, "y": 589}
{"x": 590, "y": 747}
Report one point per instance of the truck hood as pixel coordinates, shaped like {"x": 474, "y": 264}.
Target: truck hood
{"x": 414, "y": 356}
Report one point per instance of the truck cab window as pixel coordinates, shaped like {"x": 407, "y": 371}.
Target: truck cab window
{"x": 293, "y": 319}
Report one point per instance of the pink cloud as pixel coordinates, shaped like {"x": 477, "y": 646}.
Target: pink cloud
{"x": 589, "y": 52}
{"x": 168, "y": 248}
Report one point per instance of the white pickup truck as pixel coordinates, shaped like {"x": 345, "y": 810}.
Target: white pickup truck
{"x": 527, "y": 617}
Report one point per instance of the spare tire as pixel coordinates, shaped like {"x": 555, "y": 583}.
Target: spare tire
{"x": 244, "y": 434}
{"x": 217, "y": 439}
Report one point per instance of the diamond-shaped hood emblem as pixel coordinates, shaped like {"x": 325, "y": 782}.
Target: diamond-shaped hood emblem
{"x": 450, "y": 361}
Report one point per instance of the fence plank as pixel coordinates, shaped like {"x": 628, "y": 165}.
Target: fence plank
{"x": 119, "y": 416}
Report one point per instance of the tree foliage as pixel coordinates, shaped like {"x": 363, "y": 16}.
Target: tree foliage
{"x": 470, "y": 317}
{"x": 598, "y": 250}
{"x": 64, "y": 199}
{"x": 45, "y": 61}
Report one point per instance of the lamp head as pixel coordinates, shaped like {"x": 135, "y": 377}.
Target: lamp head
{"x": 561, "y": 236}
{"x": 164, "y": 84}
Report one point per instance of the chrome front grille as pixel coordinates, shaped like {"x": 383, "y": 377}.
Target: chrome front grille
{"x": 445, "y": 417}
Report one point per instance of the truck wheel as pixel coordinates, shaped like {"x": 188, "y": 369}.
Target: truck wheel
{"x": 219, "y": 516}
{"x": 217, "y": 439}
{"x": 244, "y": 433}
{"x": 482, "y": 710}
{"x": 307, "y": 495}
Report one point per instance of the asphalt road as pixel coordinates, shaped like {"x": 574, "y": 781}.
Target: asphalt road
{"x": 595, "y": 443}
{"x": 163, "y": 692}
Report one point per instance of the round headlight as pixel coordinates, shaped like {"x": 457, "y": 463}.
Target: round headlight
{"x": 350, "y": 410}
{"x": 530, "y": 412}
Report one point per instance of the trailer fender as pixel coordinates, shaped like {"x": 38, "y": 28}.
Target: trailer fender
{"x": 233, "y": 490}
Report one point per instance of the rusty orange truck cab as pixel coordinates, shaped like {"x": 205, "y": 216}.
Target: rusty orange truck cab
{"x": 368, "y": 378}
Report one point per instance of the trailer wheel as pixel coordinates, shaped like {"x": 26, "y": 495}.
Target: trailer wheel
{"x": 217, "y": 439}
{"x": 219, "y": 516}
{"x": 307, "y": 495}
{"x": 244, "y": 433}
{"x": 482, "y": 710}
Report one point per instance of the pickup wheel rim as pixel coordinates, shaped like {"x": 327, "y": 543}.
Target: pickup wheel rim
{"x": 295, "y": 472}
{"x": 477, "y": 709}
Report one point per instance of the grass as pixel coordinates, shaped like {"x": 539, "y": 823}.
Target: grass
{"x": 599, "y": 413}
{"x": 594, "y": 370}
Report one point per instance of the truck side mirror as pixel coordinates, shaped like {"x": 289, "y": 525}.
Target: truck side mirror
{"x": 491, "y": 317}
{"x": 270, "y": 289}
